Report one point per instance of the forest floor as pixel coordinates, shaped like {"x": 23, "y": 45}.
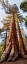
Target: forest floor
{"x": 19, "y": 61}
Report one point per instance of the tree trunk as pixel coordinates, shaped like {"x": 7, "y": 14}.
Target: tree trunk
{"x": 5, "y": 42}
{"x": 12, "y": 51}
{"x": 22, "y": 50}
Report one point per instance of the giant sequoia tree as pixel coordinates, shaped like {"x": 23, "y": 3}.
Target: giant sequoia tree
{"x": 14, "y": 50}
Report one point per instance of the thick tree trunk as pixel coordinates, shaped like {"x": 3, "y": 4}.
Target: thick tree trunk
{"x": 13, "y": 38}
{"x": 11, "y": 52}
{"x": 6, "y": 53}
{"x": 22, "y": 50}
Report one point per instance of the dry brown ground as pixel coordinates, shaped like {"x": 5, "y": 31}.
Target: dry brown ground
{"x": 19, "y": 61}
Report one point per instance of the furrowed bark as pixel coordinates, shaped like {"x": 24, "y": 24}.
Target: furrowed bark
{"x": 16, "y": 55}
{"x": 13, "y": 48}
{"x": 13, "y": 38}
{"x": 14, "y": 52}
{"x": 5, "y": 53}
{"x": 22, "y": 50}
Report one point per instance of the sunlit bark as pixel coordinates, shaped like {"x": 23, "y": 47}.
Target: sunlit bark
{"x": 11, "y": 52}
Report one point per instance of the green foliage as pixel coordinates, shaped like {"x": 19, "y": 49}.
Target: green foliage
{"x": 1, "y": 49}
{"x": 0, "y": 54}
{"x": 23, "y": 6}
{"x": 26, "y": 21}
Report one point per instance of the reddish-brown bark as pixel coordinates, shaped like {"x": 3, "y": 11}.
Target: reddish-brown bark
{"x": 22, "y": 49}
{"x": 11, "y": 52}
